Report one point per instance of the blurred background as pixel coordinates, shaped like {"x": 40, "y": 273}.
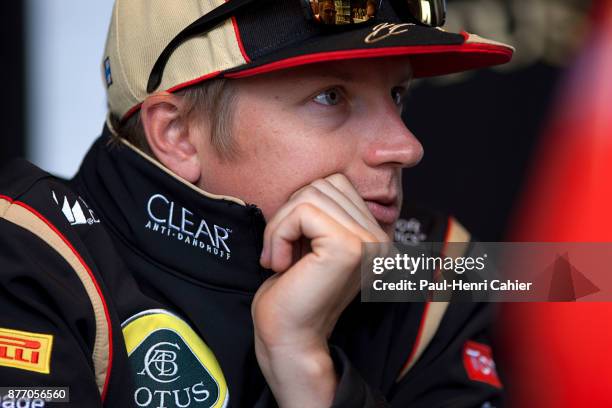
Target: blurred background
{"x": 480, "y": 129}
{"x": 519, "y": 152}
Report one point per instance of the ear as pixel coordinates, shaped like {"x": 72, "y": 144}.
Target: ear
{"x": 166, "y": 126}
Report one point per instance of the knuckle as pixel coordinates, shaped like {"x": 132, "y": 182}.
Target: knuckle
{"x": 306, "y": 208}
{"x": 298, "y": 193}
{"x": 320, "y": 183}
{"x": 308, "y": 193}
{"x": 338, "y": 178}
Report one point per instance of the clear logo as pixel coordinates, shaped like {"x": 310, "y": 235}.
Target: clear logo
{"x": 175, "y": 221}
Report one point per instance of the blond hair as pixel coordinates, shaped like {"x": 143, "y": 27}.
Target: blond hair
{"x": 214, "y": 99}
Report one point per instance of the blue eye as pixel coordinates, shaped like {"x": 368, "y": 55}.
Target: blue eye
{"x": 330, "y": 97}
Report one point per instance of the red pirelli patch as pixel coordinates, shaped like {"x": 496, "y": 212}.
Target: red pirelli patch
{"x": 479, "y": 364}
{"x": 25, "y": 350}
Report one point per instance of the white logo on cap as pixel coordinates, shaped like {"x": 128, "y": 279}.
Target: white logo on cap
{"x": 385, "y": 30}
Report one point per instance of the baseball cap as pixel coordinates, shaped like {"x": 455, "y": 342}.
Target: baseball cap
{"x": 266, "y": 36}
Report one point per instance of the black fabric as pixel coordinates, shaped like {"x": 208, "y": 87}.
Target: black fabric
{"x": 350, "y": 39}
{"x": 118, "y": 182}
{"x": 200, "y": 26}
{"x": 139, "y": 269}
{"x": 268, "y": 25}
{"x": 273, "y": 31}
{"x": 40, "y": 292}
{"x": 352, "y": 390}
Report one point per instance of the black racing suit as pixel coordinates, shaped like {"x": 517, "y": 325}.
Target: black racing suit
{"x": 133, "y": 288}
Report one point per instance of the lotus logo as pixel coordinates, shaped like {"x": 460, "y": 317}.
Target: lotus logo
{"x": 160, "y": 362}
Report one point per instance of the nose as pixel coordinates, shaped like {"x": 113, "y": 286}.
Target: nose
{"x": 392, "y": 143}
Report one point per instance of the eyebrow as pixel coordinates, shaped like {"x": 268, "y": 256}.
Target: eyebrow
{"x": 339, "y": 74}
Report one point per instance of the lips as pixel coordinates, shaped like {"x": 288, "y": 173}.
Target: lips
{"x": 386, "y": 212}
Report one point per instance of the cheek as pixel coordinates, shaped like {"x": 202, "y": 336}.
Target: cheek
{"x": 283, "y": 162}
{"x": 279, "y": 151}
{"x": 277, "y": 157}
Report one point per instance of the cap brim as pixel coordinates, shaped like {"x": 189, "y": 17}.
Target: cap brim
{"x": 431, "y": 51}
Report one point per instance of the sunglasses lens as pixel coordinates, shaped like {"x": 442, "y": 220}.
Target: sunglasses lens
{"x": 331, "y": 12}
{"x": 428, "y": 12}
{"x": 340, "y": 12}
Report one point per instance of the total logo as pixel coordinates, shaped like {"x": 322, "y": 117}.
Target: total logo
{"x": 479, "y": 364}
{"x": 177, "y": 222}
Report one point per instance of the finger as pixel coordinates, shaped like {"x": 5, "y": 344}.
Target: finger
{"x": 343, "y": 184}
{"x": 324, "y": 203}
{"x": 360, "y": 213}
{"x": 307, "y": 220}
{"x": 342, "y": 191}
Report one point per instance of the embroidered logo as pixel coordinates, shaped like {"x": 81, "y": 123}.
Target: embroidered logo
{"x": 107, "y": 72}
{"x": 160, "y": 362}
{"x": 25, "y": 350}
{"x": 385, "y": 30}
{"x": 177, "y": 222}
{"x": 409, "y": 232}
{"x": 479, "y": 364}
{"x": 74, "y": 213}
{"x": 172, "y": 366}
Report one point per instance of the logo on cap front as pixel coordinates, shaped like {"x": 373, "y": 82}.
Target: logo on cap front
{"x": 386, "y": 30}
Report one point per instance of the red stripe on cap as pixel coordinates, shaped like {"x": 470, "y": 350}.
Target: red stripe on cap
{"x": 490, "y": 54}
{"x": 239, "y": 39}
{"x": 499, "y": 53}
{"x": 175, "y": 88}
{"x": 193, "y": 81}
{"x": 132, "y": 111}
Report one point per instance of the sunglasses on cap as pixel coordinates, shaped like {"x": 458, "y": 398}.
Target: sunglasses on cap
{"x": 345, "y": 13}
{"x": 431, "y": 13}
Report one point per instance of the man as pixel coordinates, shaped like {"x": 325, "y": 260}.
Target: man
{"x": 207, "y": 251}
{"x": 370, "y": 9}
{"x": 327, "y": 12}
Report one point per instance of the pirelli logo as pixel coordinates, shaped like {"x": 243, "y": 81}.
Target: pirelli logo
{"x": 25, "y": 350}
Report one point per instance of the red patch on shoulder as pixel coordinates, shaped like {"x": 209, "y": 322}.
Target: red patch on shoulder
{"x": 479, "y": 364}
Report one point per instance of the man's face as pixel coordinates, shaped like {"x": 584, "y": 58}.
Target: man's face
{"x": 327, "y": 12}
{"x": 295, "y": 126}
{"x": 371, "y": 10}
